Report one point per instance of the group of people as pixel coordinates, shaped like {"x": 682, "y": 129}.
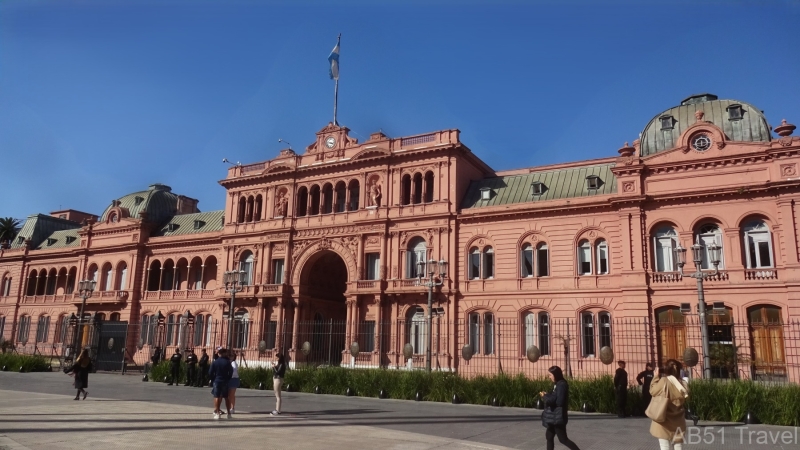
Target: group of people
{"x": 667, "y": 425}
{"x": 196, "y": 368}
{"x": 224, "y": 376}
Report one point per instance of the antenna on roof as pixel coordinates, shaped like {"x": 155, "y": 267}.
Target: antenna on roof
{"x": 225, "y": 160}
{"x": 286, "y": 142}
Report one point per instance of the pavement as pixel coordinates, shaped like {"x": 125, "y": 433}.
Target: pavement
{"x": 122, "y": 412}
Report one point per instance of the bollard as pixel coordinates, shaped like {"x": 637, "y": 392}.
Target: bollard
{"x": 456, "y": 400}
{"x": 587, "y": 408}
{"x": 349, "y": 392}
{"x": 21, "y": 369}
{"x": 495, "y": 401}
{"x": 382, "y": 394}
{"x": 317, "y": 390}
{"x": 418, "y": 396}
{"x": 144, "y": 378}
{"x": 539, "y": 403}
{"x": 750, "y": 419}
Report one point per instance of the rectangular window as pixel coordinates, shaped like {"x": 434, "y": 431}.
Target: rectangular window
{"x": 488, "y": 264}
{"x": 198, "y": 278}
{"x": 7, "y": 287}
{"x": 605, "y": 331}
{"x": 488, "y": 336}
{"x": 368, "y": 336}
{"x": 585, "y": 260}
{"x": 373, "y": 266}
{"x": 587, "y": 332}
{"x": 474, "y": 266}
{"x": 2, "y": 326}
{"x": 541, "y": 261}
{"x": 527, "y": 262}
{"x": 664, "y": 255}
{"x": 42, "y": 329}
{"x": 602, "y": 259}
{"x": 530, "y": 331}
{"x": 474, "y": 333}
{"x": 544, "y": 334}
{"x": 277, "y": 271}
{"x": 170, "y": 328}
{"x": 270, "y": 333}
{"x": 24, "y": 329}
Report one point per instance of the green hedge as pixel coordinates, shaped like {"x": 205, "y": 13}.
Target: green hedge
{"x": 726, "y": 401}
{"x": 29, "y": 363}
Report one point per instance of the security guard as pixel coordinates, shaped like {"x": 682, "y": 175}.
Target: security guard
{"x": 176, "y": 367}
{"x": 191, "y": 368}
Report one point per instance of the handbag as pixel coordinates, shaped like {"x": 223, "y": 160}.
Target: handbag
{"x": 657, "y": 410}
{"x": 553, "y": 416}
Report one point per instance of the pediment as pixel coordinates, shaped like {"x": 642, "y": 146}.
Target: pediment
{"x": 278, "y": 168}
{"x": 371, "y": 153}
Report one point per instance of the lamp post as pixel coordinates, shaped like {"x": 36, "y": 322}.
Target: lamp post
{"x": 427, "y": 271}
{"x": 714, "y": 254}
{"x": 234, "y": 282}
{"x": 85, "y": 288}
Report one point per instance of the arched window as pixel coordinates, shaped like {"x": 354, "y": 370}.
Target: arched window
{"x": 602, "y": 257}
{"x": 61, "y": 329}
{"x": 537, "y": 331}
{"x": 587, "y": 334}
{"x": 5, "y": 287}
{"x": 24, "y": 329}
{"x": 428, "y": 187}
{"x": 246, "y": 264}
{"x": 105, "y": 282}
{"x": 670, "y": 333}
{"x": 417, "y": 194}
{"x": 168, "y": 276}
{"x": 32, "y": 277}
{"x": 340, "y": 193}
{"x": 314, "y": 200}
{"x": 706, "y": 235}
{"x": 535, "y": 263}
{"x": 584, "y": 258}
{"x": 71, "y": 275}
{"x": 173, "y": 323}
{"x": 474, "y": 263}
{"x": 241, "y": 329}
{"x": 542, "y": 260}
{"x": 417, "y": 251}
{"x": 2, "y": 325}
{"x": 355, "y": 192}
{"x": 327, "y": 198}
{"x": 758, "y": 245}
{"x": 52, "y": 277}
{"x": 122, "y": 276}
{"x": 258, "y": 206}
{"x": 766, "y": 340}
{"x": 41, "y": 282}
{"x": 605, "y": 329}
{"x": 526, "y": 261}
{"x": 302, "y": 202}
{"x": 43, "y": 329}
{"x": 665, "y": 240}
{"x": 148, "y": 331}
{"x": 481, "y": 264}
{"x": 114, "y": 317}
{"x": 405, "y": 190}
{"x": 488, "y": 263}
{"x": 415, "y": 329}
{"x": 154, "y": 276}
{"x": 250, "y": 207}
{"x": 242, "y": 209}
{"x": 481, "y": 333}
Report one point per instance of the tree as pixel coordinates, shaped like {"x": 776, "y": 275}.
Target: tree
{"x": 9, "y": 227}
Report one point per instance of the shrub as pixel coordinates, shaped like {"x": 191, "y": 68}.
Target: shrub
{"x": 729, "y": 401}
{"x": 29, "y": 363}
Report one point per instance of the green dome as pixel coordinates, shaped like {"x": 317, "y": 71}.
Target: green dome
{"x": 739, "y": 121}
{"x": 157, "y": 201}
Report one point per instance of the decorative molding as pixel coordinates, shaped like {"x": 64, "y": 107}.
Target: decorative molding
{"x": 788, "y": 170}
{"x": 628, "y": 186}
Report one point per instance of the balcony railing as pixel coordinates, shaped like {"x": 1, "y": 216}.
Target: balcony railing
{"x": 665, "y": 277}
{"x": 760, "y": 274}
{"x": 169, "y": 295}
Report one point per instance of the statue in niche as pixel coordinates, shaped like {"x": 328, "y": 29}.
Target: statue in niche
{"x": 281, "y": 204}
{"x": 374, "y": 192}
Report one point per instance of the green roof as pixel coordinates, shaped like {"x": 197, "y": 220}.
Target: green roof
{"x": 557, "y": 184}
{"x": 185, "y": 224}
{"x": 752, "y": 127}
{"x": 38, "y": 227}
{"x": 157, "y": 201}
{"x": 59, "y": 239}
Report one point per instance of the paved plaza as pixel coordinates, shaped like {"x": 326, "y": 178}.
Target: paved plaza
{"x": 37, "y": 412}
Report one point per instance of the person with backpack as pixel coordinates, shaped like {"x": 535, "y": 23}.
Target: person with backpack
{"x": 554, "y": 416}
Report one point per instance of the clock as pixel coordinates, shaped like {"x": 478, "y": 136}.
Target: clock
{"x": 701, "y": 142}
{"x": 330, "y": 142}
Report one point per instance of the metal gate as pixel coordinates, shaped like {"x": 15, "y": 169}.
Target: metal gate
{"x": 111, "y": 345}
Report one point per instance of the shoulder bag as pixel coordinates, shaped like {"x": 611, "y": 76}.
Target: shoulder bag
{"x": 657, "y": 410}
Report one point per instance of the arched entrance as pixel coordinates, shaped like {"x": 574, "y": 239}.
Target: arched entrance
{"x": 323, "y": 283}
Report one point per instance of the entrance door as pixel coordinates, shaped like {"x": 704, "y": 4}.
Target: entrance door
{"x": 111, "y": 345}
{"x": 671, "y": 331}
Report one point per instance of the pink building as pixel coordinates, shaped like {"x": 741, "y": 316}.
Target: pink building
{"x": 569, "y": 257}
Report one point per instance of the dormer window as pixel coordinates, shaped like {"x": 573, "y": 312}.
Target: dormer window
{"x": 71, "y": 239}
{"x": 172, "y": 227}
{"x": 50, "y": 241}
{"x": 20, "y": 240}
{"x": 486, "y": 193}
{"x": 199, "y": 224}
{"x": 593, "y": 182}
{"x": 667, "y": 122}
{"x": 537, "y": 188}
{"x": 138, "y": 200}
{"x": 735, "y": 112}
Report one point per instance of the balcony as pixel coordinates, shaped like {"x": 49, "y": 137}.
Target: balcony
{"x": 765, "y": 274}
{"x": 405, "y": 285}
{"x": 102, "y": 297}
{"x": 273, "y": 289}
{"x": 179, "y": 295}
{"x": 665, "y": 277}
{"x": 370, "y": 286}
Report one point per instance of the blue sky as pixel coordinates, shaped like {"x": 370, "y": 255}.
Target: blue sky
{"x": 99, "y": 99}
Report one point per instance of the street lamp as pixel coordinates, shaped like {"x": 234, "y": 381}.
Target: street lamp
{"x": 234, "y": 280}
{"x": 85, "y": 288}
{"x": 714, "y": 254}
{"x": 429, "y": 273}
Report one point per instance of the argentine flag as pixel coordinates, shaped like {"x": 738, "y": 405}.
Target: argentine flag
{"x": 334, "y": 60}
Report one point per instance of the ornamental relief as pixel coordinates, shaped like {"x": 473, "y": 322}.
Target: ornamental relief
{"x": 350, "y": 229}
{"x": 788, "y": 170}
{"x": 628, "y": 186}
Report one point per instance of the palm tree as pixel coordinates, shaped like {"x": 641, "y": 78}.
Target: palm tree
{"x": 9, "y": 227}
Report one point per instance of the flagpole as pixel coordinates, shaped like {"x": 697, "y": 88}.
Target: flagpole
{"x": 336, "y": 86}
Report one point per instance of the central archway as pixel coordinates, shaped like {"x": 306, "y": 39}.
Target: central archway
{"x": 323, "y": 284}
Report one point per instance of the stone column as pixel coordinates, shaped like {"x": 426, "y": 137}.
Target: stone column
{"x": 296, "y": 322}
{"x": 279, "y": 328}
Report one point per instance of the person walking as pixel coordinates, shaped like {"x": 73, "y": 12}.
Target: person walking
{"x": 644, "y": 379}
{"x": 621, "y": 388}
{"x": 554, "y": 416}
{"x": 202, "y": 374}
{"x": 278, "y": 372}
{"x": 234, "y": 383}
{"x": 220, "y": 374}
{"x": 80, "y": 370}
{"x": 191, "y": 368}
{"x": 175, "y": 369}
{"x": 671, "y": 430}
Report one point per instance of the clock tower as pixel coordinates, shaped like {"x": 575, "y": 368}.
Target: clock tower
{"x": 331, "y": 142}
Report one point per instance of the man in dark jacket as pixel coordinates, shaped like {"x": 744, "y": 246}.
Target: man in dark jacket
{"x": 621, "y": 388}
{"x": 203, "y": 372}
{"x": 644, "y": 378}
{"x": 191, "y": 368}
{"x": 220, "y": 373}
{"x": 175, "y": 370}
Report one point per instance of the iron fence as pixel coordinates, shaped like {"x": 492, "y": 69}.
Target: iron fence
{"x": 480, "y": 345}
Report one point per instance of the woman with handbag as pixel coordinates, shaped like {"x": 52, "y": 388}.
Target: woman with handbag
{"x": 669, "y": 394}
{"x": 80, "y": 370}
{"x": 554, "y": 416}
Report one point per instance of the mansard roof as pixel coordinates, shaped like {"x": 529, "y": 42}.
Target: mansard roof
{"x": 158, "y": 201}
{"x": 751, "y": 127}
{"x": 38, "y": 227}
{"x": 61, "y": 239}
{"x": 557, "y": 183}
{"x": 184, "y": 224}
